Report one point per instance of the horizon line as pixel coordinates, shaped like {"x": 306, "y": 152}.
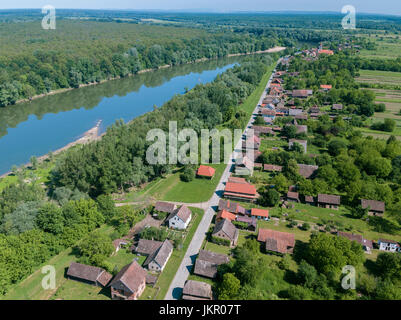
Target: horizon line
{"x": 214, "y": 11}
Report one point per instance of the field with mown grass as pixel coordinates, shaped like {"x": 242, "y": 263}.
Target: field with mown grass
{"x": 171, "y": 188}
{"x": 391, "y": 99}
{"x": 388, "y": 46}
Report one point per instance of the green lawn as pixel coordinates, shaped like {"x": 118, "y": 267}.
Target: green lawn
{"x": 76, "y": 290}
{"x": 171, "y": 188}
{"x": 124, "y": 257}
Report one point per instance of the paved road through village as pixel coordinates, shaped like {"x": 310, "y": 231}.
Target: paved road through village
{"x": 175, "y": 290}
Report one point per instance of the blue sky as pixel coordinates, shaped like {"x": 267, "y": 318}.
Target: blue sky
{"x": 368, "y": 6}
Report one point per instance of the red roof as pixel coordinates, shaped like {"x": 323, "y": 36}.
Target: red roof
{"x": 205, "y": 171}
{"x": 326, "y": 86}
{"x": 224, "y": 214}
{"x": 329, "y": 52}
{"x": 243, "y": 188}
{"x": 259, "y": 212}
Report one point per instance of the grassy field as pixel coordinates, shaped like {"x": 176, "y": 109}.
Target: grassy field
{"x": 391, "y": 98}
{"x": 388, "y": 47}
{"x": 171, "y": 188}
{"x": 373, "y": 76}
{"x": 41, "y": 175}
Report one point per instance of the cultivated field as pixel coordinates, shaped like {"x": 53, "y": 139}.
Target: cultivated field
{"x": 388, "y": 47}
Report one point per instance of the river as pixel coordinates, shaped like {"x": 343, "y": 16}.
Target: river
{"x": 49, "y": 123}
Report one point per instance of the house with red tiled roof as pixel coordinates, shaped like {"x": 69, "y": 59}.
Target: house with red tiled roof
{"x": 276, "y": 241}
{"x": 326, "y": 87}
{"x": 244, "y": 166}
{"x": 205, "y": 171}
{"x": 260, "y": 213}
{"x": 325, "y": 51}
{"x": 129, "y": 283}
{"x": 224, "y": 214}
{"x": 240, "y": 191}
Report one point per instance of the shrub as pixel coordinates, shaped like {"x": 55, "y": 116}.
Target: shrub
{"x": 188, "y": 174}
{"x": 305, "y": 226}
{"x": 221, "y": 241}
{"x": 240, "y": 225}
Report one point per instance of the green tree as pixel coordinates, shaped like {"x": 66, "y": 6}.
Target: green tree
{"x": 95, "y": 248}
{"x": 50, "y": 218}
{"x": 229, "y": 287}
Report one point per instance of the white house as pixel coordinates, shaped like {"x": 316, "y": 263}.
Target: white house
{"x": 388, "y": 245}
{"x": 180, "y": 218}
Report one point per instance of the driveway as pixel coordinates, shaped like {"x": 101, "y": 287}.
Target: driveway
{"x": 175, "y": 290}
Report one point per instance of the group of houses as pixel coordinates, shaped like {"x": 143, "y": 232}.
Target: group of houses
{"x": 128, "y": 284}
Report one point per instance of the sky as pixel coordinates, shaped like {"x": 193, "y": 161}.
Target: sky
{"x": 364, "y": 6}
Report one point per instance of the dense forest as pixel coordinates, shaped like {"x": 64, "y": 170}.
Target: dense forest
{"x": 110, "y": 44}
{"x": 35, "y": 61}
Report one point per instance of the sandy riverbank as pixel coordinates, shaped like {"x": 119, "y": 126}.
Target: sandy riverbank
{"x": 89, "y": 136}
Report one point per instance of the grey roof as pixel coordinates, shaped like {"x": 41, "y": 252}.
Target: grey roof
{"x": 197, "y": 289}
{"x": 88, "y": 273}
{"x": 294, "y": 112}
{"x": 306, "y": 170}
{"x": 246, "y": 219}
{"x": 147, "y": 247}
{"x": 165, "y": 206}
{"x": 373, "y": 205}
{"x": 231, "y": 206}
{"x": 205, "y": 268}
{"x": 213, "y": 257}
{"x": 161, "y": 255}
{"x": 328, "y": 198}
{"x": 227, "y": 227}
{"x": 183, "y": 213}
